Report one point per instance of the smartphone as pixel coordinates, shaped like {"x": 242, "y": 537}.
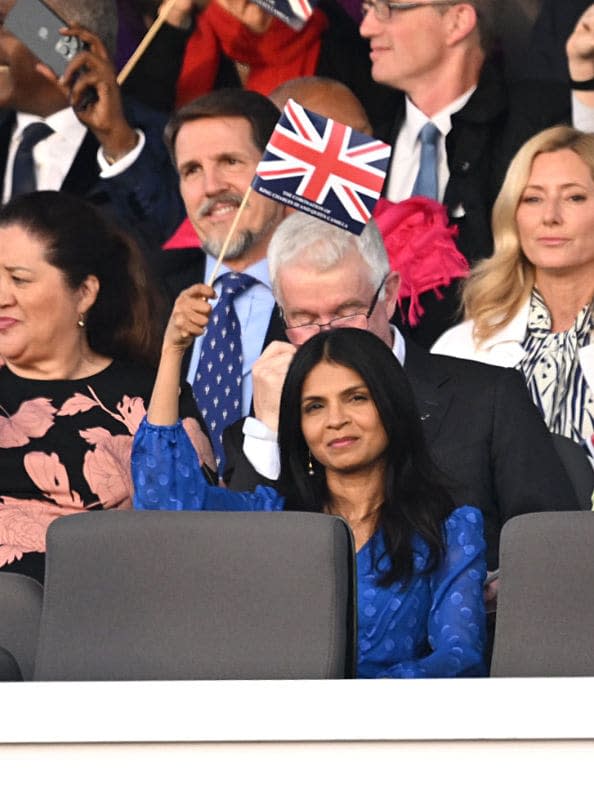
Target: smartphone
{"x": 38, "y": 27}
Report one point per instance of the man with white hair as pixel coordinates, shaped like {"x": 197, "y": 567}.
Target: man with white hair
{"x": 483, "y": 430}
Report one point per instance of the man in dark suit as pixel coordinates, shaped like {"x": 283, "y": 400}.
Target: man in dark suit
{"x": 437, "y": 56}
{"x": 216, "y": 143}
{"x": 484, "y": 432}
{"x": 99, "y": 147}
{"x": 546, "y": 56}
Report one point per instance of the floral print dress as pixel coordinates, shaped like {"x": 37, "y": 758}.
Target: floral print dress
{"x": 65, "y": 448}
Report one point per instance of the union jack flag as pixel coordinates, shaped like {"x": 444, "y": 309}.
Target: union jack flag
{"x": 323, "y": 168}
{"x": 292, "y": 12}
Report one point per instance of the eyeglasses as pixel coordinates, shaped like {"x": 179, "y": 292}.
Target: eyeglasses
{"x": 383, "y": 8}
{"x": 298, "y": 334}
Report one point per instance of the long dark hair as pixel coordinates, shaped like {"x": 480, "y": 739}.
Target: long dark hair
{"x": 415, "y": 498}
{"x": 80, "y": 240}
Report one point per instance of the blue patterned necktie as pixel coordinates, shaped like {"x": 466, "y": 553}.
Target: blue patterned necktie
{"x": 426, "y": 181}
{"x": 23, "y": 171}
{"x": 217, "y": 385}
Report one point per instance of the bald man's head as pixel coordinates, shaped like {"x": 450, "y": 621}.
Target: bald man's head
{"x": 324, "y": 96}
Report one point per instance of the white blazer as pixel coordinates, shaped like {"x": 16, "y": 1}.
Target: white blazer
{"x": 504, "y": 348}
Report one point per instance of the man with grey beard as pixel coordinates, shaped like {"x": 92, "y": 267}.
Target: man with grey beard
{"x": 216, "y": 143}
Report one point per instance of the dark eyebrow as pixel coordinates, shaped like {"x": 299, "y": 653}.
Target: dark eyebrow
{"x": 232, "y": 154}
{"x": 190, "y": 162}
{"x": 349, "y": 390}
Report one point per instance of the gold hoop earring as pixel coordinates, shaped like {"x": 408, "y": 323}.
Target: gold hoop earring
{"x": 310, "y": 468}
{"x": 81, "y": 321}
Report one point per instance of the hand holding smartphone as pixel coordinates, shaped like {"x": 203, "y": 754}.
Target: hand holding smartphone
{"x": 39, "y": 28}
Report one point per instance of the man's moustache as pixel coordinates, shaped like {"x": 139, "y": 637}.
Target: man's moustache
{"x": 208, "y": 205}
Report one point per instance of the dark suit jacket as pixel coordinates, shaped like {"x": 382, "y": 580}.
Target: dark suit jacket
{"x": 486, "y": 134}
{"x": 144, "y": 198}
{"x": 546, "y": 57}
{"x": 484, "y": 433}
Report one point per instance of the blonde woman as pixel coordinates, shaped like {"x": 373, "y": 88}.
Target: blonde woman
{"x": 529, "y": 306}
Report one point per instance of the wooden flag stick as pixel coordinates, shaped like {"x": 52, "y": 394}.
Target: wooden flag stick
{"x": 148, "y": 38}
{"x": 232, "y": 230}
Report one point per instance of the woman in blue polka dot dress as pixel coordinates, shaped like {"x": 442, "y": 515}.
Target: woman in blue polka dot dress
{"x": 351, "y": 444}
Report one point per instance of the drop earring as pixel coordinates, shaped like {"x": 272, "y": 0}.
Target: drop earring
{"x": 310, "y": 469}
{"x": 81, "y": 321}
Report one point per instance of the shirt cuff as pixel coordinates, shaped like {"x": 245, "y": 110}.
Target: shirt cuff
{"x": 582, "y": 115}
{"x": 260, "y": 447}
{"x": 121, "y": 165}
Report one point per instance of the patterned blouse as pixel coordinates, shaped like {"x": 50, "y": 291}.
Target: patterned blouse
{"x": 553, "y": 372}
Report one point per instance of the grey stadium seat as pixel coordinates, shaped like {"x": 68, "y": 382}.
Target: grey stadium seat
{"x": 148, "y": 595}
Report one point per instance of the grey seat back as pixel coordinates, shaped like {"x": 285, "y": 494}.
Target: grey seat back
{"x": 20, "y": 611}
{"x": 9, "y": 669}
{"x": 545, "y": 608}
{"x": 133, "y": 595}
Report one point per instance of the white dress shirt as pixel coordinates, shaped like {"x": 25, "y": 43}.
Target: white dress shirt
{"x": 405, "y": 162}
{"x": 54, "y": 155}
{"x": 260, "y": 444}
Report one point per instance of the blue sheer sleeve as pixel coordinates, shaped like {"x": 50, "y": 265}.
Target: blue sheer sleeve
{"x": 167, "y": 476}
{"x": 456, "y": 627}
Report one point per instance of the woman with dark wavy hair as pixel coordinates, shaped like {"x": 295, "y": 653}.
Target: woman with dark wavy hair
{"x": 351, "y": 444}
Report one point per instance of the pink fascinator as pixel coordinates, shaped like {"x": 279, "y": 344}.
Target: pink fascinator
{"x": 421, "y": 247}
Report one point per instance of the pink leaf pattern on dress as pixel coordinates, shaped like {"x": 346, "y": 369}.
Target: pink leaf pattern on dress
{"x": 24, "y": 523}
{"x": 200, "y": 441}
{"x": 50, "y": 476}
{"x": 106, "y": 468}
{"x": 132, "y": 411}
{"x": 32, "y": 419}
{"x": 23, "y": 526}
{"x": 77, "y": 404}
{"x": 95, "y": 435}
{"x": 107, "y": 471}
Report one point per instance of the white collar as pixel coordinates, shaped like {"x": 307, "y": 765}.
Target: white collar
{"x": 65, "y": 122}
{"x": 415, "y": 118}
{"x": 399, "y": 345}
{"x": 258, "y": 270}
{"x": 514, "y": 331}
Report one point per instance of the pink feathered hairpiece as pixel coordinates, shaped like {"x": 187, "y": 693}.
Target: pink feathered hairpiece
{"x": 421, "y": 247}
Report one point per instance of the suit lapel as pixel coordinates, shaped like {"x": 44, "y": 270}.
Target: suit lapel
{"x": 431, "y": 386}
{"x": 82, "y": 175}
{"x": 7, "y": 120}
{"x": 84, "y": 172}
{"x": 389, "y": 133}
{"x": 276, "y": 328}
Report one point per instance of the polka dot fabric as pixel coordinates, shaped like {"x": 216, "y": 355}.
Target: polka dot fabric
{"x": 433, "y": 627}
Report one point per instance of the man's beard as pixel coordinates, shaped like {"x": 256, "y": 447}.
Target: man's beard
{"x": 242, "y": 240}
{"x": 240, "y": 244}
